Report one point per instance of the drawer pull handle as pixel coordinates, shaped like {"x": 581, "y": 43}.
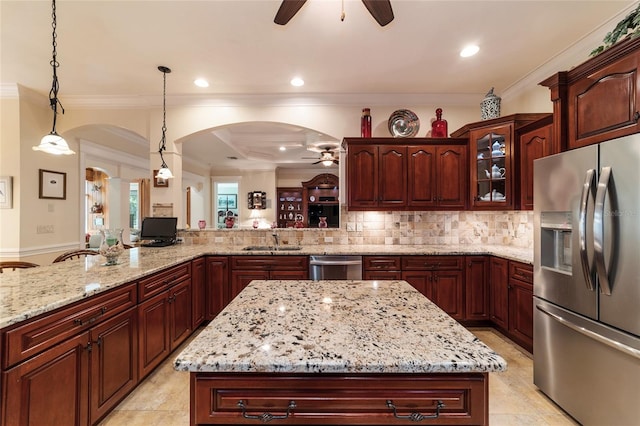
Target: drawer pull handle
{"x": 416, "y": 417}
{"x": 92, "y": 319}
{"x": 265, "y": 417}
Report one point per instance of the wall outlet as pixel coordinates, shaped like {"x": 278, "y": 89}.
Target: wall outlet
{"x": 44, "y": 229}
{"x": 179, "y": 240}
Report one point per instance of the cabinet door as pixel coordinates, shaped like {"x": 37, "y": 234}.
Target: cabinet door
{"x": 114, "y": 362}
{"x": 533, "y": 145}
{"x": 153, "y": 332}
{"x": 451, "y": 187}
{"x": 362, "y": 176}
{"x": 521, "y": 313}
{"x": 240, "y": 279}
{"x": 477, "y": 288}
{"x": 604, "y": 104}
{"x": 421, "y": 281}
{"x": 50, "y": 388}
{"x": 499, "y": 293}
{"x": 179, "y": 313}
{"x": 446, "y": 292}
{"x": 421, "y": 176}
{"x": 392, "y": 176}
{"x": 198, "y": 291}
{"x": 382, "y": 275}
{"x": 217, "y": 293}
{"x": 491, "y": 171}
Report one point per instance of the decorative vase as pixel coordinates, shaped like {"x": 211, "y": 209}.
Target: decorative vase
{"x": 229, "y": 222}
{"x": 365, "y": 123}
{"x": 439, "y": 126}
{"x": 111, "y": 246}
{"x": 323, "y": 222}
{"x": 490, "y": 106}
{"x": 202, "y": 224}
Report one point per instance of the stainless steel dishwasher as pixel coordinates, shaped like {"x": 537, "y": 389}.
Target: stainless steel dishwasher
{"x": 333, "y": 267}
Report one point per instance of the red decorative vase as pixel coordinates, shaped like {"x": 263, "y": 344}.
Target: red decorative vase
{"x": 439, "y": 126}
{"x": 365, "y": 123}
{"x": 202, "y": 224}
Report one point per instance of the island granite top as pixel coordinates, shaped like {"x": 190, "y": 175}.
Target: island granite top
{"x": 26, "y": 293}
{"x": 335, "y": 327}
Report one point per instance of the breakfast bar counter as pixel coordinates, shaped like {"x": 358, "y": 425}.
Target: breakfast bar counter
{"x": 337, "y": 352}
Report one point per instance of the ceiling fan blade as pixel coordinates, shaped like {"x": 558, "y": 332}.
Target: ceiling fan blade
{"x": 380, "y": 10}
{"x": 288, "y": 8}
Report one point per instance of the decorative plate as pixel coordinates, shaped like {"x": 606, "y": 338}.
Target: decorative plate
{"x": 403, "y": 124}
{"x": 312, "y": 198}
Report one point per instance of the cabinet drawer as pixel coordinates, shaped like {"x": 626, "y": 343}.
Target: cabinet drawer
{"x": 431, "y": 262}
{"x": 338, "y": 399}
{"x": 162, "y": 280}
{"x": 37, "y": 335}
{"x": 521, "y": 271}
{"x": 385, "y": 263}
{"x": 281, "y": 263}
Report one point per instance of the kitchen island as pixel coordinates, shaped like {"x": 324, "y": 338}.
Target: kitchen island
{"x": 337, "y": 352}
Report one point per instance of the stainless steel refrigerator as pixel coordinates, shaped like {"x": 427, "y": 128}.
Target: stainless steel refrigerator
{"x": 586, "y": 346}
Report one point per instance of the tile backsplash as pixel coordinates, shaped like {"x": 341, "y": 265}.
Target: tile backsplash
{"x": 512, "y": 228}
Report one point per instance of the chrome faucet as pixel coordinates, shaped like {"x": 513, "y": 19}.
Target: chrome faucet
{"x": 276, "y": 238}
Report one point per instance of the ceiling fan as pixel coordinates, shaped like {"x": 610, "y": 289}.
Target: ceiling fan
{"x": 379, "y": 9}
{"x": 327, "y": 157}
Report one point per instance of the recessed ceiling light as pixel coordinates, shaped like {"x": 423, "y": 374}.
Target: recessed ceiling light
{"x": 283, "y": 148}
{"x": 201, "y": 82}
{"x": 470, "y": 50}
{"x": 297, "y": 81}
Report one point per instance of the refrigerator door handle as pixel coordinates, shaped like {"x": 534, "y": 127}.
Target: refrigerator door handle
{"x": 587, "y": 187}
{"x": 598, "y": 231}
{"x": 595, "y": 336}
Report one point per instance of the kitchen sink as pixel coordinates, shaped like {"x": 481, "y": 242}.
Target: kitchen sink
{"x": 272, "y": 248}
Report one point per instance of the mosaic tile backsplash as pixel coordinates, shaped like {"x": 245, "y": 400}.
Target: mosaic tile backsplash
{"x": 511, "y": 228}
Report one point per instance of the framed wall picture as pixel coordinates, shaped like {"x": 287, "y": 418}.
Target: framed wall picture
{"x": 53, "y": 185}
{"x": 159, "y": 182}
{"x": 6, "y": 192}
{"x": 227, "y": 201}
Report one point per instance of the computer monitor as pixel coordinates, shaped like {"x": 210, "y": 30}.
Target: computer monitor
{"x": 162, "y": 230}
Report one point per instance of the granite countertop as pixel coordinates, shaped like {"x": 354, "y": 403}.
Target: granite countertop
{"x": 25, "y": 293}
{"x": 335, "y": 327}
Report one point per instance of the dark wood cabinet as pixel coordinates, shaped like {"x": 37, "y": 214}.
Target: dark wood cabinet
{"x": 599, "y": 99}
{"x": 477, "y": 288}
{"x": 535, "y": 141}
{"x": 290, "y": 206}
{"x": 113, "y": 369}
{"x": 521, "y": 304}
{"x": 387, "y": 174}
{"x": 164, "y": 320}
{"x": 436, "y": 176}
{"x": 499, "y": 292}
{"x": 51, "y": 388}
{"x": 245, "y": 269}
{"x": 492, "y": 160}
{"x": 381, "y": 267}
{"x": 198, "y": 292}
{"x": 217, "y": 285}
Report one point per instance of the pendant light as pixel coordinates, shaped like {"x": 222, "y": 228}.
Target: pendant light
{"x": 53, "y": 143}
{"x": 164, "y": 172}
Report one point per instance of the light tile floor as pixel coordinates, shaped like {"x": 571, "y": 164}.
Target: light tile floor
{"x": 163, "y": 397}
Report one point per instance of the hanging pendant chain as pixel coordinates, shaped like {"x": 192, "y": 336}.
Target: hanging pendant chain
{"x": 164, "y": 119}
{"x": 55, "y": 86}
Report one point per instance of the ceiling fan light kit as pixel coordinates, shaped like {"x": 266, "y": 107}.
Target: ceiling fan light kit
{"x": 380, "y": 10}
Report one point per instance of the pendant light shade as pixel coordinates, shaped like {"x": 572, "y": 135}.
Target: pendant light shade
{"x": 164, "y": 172}
{"x": 53, "y": 143}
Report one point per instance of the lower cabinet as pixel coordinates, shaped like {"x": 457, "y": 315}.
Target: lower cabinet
{"x": 217, "y": 282}
{"x": 78, "y": 381}
{"x": 245, "y": 269}
{"x": 499, "y": 291}
{"x": 198, "y": 292}
{"x": 476, "y": 288}
{"x": 381, "y": 268}
{"x": 164, "y": 323}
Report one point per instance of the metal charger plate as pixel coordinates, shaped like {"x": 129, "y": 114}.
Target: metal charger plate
{"x": 403, "y": 124}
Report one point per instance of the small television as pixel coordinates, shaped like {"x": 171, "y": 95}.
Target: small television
{"x": 161, "y": 231}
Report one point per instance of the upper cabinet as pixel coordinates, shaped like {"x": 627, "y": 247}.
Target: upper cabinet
{"x": 597, "y": 100}
{"x": 406, "y": 174}
{"x": 492, "y": 164}
{"x": 535, "y": 141}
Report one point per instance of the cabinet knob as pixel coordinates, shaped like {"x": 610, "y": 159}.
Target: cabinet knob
{"x": 636, "y": 116}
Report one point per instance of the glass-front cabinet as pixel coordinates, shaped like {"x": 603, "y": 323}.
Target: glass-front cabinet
{"x": 492, "y": 150}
